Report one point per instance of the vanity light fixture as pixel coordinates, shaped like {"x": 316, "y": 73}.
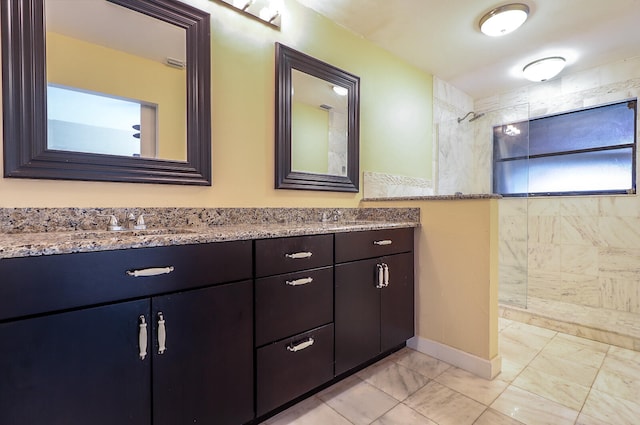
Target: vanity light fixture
{"x": 544, "y": 69}
{"x": 268, "y": 11}
{"x": 341, "y": 91}
{"x": 242, "y": 4}
{"x": 504, "y": 19}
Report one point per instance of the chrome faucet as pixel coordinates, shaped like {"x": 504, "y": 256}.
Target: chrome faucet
{"x": 133, "y": 223}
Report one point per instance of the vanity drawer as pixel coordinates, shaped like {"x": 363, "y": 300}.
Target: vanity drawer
{"x": 353, "y": 246}
{"x": 283, "y": 255}
{"x": 292, "y": 303}
{"x": 34, "y": 285}
{"x": 284, "y": 374}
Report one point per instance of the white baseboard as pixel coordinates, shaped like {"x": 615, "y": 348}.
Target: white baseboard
{"x": 487, "y": 369}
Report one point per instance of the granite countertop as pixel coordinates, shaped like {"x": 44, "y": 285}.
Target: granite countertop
{"x": 14, "y": 245}
{"x": 438, "y": 197}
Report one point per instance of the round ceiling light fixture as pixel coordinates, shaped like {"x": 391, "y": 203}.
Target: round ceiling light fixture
{"x": 544, "y": 69}
{"x": 504, "y": 19}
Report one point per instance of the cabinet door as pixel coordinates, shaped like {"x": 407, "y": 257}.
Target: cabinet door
{"x": 206, "y": 373}
{"x": 397, "y": 306}
{"x": 80, "y": 367}
{"x": 357, "y": 314}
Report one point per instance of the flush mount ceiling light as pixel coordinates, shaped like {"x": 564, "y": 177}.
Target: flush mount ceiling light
{"x": 504, "y": 19}
{"x": 543, "y": 69}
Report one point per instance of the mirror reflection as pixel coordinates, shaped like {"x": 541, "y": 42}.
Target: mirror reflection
{"x": 319, "y": 125}
{"x": 116, "y": 81}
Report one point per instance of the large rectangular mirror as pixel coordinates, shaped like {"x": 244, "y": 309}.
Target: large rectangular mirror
{"x": 317, "y": 124}
{"x": 112, "y": 90}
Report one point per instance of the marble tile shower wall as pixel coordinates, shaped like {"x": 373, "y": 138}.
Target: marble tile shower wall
{"x": 454, "y": 144}
{"x": 579, "y": 250}
{"x": 586, "y": 251}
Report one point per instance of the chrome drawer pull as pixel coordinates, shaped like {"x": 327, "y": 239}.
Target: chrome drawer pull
{"x": 297, "y": 255}
{"x": 142, "y": 338}
{"x": 153, "y": 271}
{"x": 383, "y": 242}
{"x": 299, "y": 282}
{"x": 301, "y": 346}
{"x": 162, "y": 334}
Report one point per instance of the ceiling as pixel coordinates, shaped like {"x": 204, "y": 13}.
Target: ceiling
{"x": 442, "y": 37}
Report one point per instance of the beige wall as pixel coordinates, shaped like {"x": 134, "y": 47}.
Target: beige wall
{"x": 395, "y": 137}
{"x": 456, "y": 273}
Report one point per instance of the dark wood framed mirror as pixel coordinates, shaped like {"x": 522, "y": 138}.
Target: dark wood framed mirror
{"x": 317, "y": 124}
{"x": 27, "y": 153}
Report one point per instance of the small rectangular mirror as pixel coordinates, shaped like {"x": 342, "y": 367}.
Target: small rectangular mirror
{"x": 317, "y": 124}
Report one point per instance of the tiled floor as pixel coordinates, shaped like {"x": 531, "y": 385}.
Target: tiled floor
{"x": 547, "y": 378}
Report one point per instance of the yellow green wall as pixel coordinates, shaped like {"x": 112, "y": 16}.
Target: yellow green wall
{"x": 76, "y": 63}
{"x": 395, "y": 136}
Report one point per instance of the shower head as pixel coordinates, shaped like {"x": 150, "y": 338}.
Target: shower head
{"x": 473, "y": 118}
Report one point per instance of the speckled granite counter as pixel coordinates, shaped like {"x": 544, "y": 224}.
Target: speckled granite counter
{"x": 438, "y": 197}
{"x": 48, "y": 231}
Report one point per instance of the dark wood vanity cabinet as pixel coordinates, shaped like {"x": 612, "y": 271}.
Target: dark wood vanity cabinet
{"x": 294, "y": 318}
{"x": 88, "y": 365}
{"x": 374, "y": 297}
{"x": 220, "y": 333}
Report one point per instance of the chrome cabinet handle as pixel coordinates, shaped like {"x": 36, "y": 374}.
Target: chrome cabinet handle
{"x": 298, "y": 255}
{"x": 142, "y": 337}
{"x": 300, "y": 346}
{"x": 380, "y": 276}
{"x": 153, "y": 271}
{"x": 386, "y": 274}
{"x": 162, "y": 334}
{"x": 298, "y": 282}
{"x": 383, "y": 242}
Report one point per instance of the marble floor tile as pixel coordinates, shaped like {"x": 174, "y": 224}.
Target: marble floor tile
{"x": 403, "y": 415}
{"x": 510, "y": 370}
{"x": 578, "y": 353}
{"x": 503, "y": 323}
{"x": 311, "y": 411}
{"x": 588, "y": 343}
{"x": 394, "y": 379}
{"x": 584, "y": 419}
{"x": 611, "y": 410}
{"x": 479, "y": 389}
{"x": 419, "y": 362}
{"x": 445, "y": 406}
{"x": 565, "y": 368}
{"x": 619, "y": 378}
{"x": 492, "y": 417}
{"x": 525, "y": 328}
{"x": 516, "y": 352}
{"x": 551, "y": 387}
{"x": 625, "y": 354}
{"x": 529, "y": 338}
{"x": 358, "y": 401}
{"x": 532, "y": 409}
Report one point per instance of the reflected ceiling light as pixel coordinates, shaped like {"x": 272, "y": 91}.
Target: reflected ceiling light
{"x": 341, "y": 91}
{"x": 544, "y": 69}
{"x": 504, "y": 19}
